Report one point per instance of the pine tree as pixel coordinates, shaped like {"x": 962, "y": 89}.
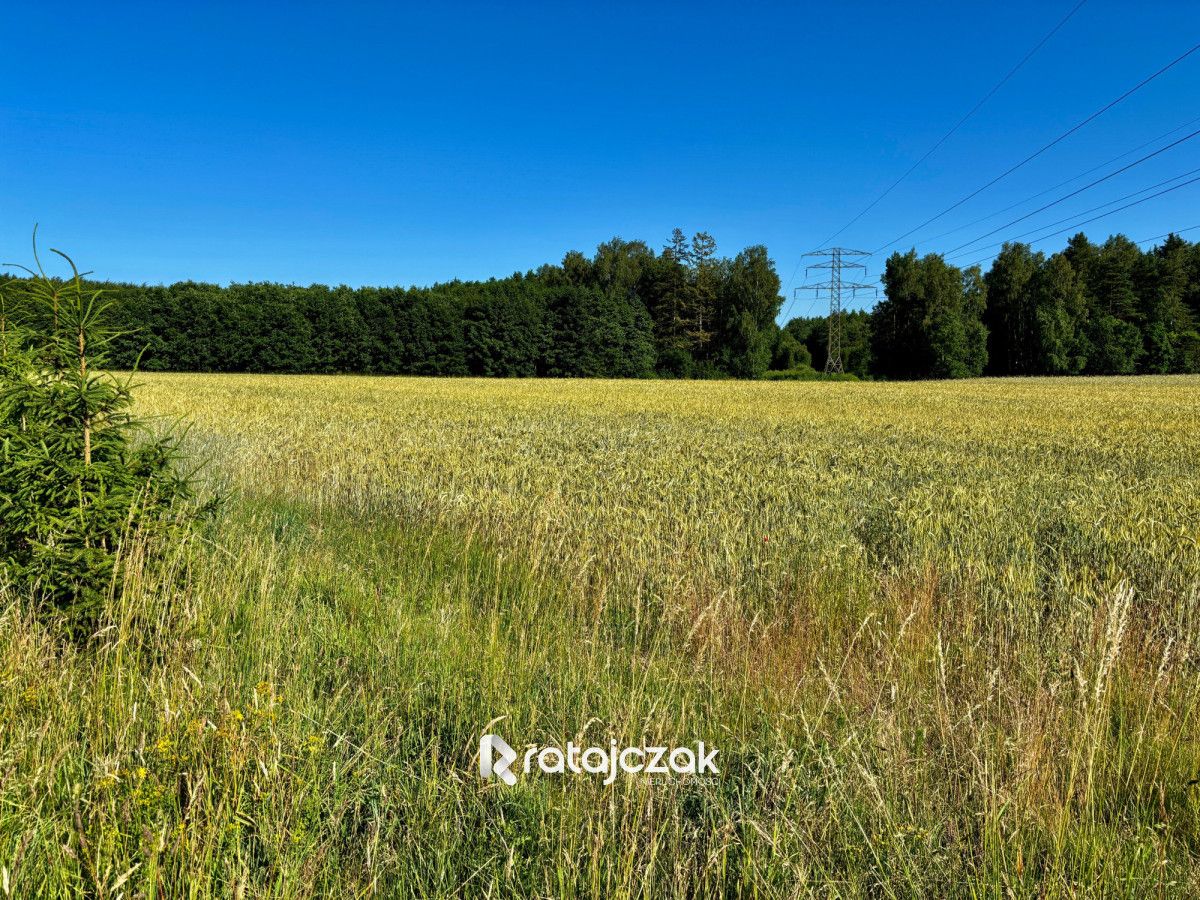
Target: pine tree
{"x": 673, "y": 287}
{"x": 703, "y": 295}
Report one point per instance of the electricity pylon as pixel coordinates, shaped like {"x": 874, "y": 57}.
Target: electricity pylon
{"x": 836, "y": 287}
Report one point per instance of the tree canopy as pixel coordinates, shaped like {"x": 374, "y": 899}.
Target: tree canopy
{"x": 625, "y": 312}
{"x": 629, "y": 311}
{"x": 1090, "y": 309}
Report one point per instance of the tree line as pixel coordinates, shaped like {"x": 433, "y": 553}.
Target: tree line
{"x": 625, "y": 312}
{"x": 1090, "y": 309}
{"x": 629, "y": 311}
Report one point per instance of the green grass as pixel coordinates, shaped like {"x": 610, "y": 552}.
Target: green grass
{"x": 290, "y": 706}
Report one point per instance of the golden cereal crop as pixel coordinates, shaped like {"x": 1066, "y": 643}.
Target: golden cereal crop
{"x": 677, "y": 493}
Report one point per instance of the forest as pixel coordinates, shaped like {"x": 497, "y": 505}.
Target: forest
{"x": 685, "y": 312}
{"x": 627, "y": 312}
{"x": 1090, "y": 309}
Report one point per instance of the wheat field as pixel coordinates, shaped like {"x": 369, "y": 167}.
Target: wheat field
{"x": 946, "y": 637}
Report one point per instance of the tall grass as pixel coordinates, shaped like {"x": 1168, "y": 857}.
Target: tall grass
{"x": 945, "y": 638}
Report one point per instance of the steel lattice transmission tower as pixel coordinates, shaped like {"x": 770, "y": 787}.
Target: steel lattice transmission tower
{"x": 837, "y": 289}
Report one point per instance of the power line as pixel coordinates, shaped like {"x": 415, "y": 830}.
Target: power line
{"x": 1073, "y": 216}
{"x": 1159, "y": 237}
{"x": 974, "y": 109}
{"x": 1078, "y": 191}
{"x": 787, "y": 309}
{"x": 1094, "y": 218}
{"x": 1070, "y": 131}
{"x": 1055, "y": 187}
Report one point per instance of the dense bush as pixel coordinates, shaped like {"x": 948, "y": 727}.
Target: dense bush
{"x": 807, "y": 373}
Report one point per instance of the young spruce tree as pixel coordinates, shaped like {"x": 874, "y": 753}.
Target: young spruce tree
{"x": 79, "y": 474}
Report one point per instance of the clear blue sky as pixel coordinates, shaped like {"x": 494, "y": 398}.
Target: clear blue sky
{"x": 395, "y": 144}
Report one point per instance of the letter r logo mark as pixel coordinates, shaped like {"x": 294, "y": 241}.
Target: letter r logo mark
{"x": 495, "y": 757}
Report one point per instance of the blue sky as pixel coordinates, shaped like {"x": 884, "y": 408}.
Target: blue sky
{"x": 394, "y": 144}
